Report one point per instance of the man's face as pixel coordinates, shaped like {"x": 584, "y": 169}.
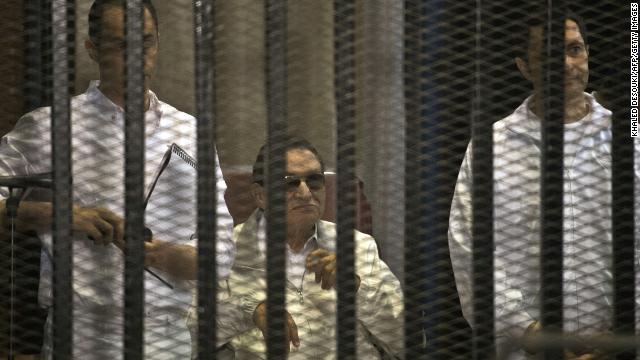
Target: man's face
{"x": 576, "y": 60}
{"x": 110, "y": 52}
{"x": 305, "y": 202}
{"x": 305, "y": 197}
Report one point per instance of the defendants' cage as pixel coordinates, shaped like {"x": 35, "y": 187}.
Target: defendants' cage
{"x": 538, "y": 246}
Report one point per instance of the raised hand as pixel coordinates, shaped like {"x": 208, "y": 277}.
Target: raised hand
{"x": 323, "y": 263}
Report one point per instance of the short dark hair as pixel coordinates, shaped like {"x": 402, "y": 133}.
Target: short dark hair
{"x": 97, "y": 9}
{"x": 536, "y": 18}
{"x": 292, "y": 143}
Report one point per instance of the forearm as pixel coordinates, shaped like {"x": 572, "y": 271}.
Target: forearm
{"x": 179, "y": 261}
{"x": 31, "y": 216}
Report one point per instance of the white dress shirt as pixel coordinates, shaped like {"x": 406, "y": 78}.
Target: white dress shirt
{"x": 587, "y": 253}
{"x": 98, "y": 180}
{"x": 379, "y": 299}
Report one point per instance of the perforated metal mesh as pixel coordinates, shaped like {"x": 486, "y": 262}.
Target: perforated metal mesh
{"x": 455, "y": 259}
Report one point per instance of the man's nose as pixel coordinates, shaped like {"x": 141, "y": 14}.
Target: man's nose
{"x": 148, "y": 59}
{"x": 303, "y": 190}
{"x": 570, "y": 62}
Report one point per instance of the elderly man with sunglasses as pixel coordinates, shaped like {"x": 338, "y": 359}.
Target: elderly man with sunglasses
{"x": 311, "y": 275}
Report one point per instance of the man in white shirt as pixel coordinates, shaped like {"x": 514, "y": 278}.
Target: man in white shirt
{"x": 97, "y": 120}
{"x": 311, "y": 275}
{"x": 587, "y": 279}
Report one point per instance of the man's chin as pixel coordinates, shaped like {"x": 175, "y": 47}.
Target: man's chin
{"x": 303, "y": 217}
{"x": 148, "y": 79}
{"x": 572, "y": 90}
{"x": 575, "y": 82}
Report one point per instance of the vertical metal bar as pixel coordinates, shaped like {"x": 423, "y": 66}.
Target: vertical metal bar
{"x": 32, "y": 88}
{"x": 345, "y": 78}
{"x": 623, "y": 195}
{"x": 482, "y": 197}
{"x": 415, "y": 296}
{"x": 134, "y": 181}
{"x": 38, "y": 54}
{"x": 46, "y": 52}
{"x": 63, "y": 49}
{"x": 442, "y": 317}
{"x": 276, "y": 45}
{"x": 552, "y": 170}
{"x": 207, "y": 194}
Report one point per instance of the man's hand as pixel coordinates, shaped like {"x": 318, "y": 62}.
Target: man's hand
{"x": 588, "y": 351}
{"x": 179, "y": 260}
{"x": 101, "y": 225}
{"x": 291, "y": 333}
{"x": 323, "y": 263}
{"x": 532, "y": 345}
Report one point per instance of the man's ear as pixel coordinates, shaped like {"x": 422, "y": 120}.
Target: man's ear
{"x": 92, "y": 50}
{"x": 523, "y": 67}
{"x": 259, "y": 196}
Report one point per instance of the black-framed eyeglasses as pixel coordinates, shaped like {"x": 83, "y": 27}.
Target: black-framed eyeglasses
{"x": 314, "y": 181}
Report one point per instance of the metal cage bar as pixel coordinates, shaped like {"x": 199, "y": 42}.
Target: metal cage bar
{"x": 63, "y": 48}
{"x": 37, "y": 49}
{"x": 207, "y": 194}
{"x": 134, "y": 181}
{"x": 415, "y": 296}
{"x": 345, "y": 79}
{"x": 552, "y": 171}
{"x": 276, "y": 45}
{"x": 483, "y": 341}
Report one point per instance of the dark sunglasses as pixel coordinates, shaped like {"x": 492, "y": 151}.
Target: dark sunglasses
{"x": 313, "y": 181}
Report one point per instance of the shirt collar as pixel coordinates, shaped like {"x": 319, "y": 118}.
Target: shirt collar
{"x": 96, "y": 96}
{"x": 526, "y": 122}
{"x": 312, "y": 241}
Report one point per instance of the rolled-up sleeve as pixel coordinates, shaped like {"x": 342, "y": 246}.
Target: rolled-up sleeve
{"x": 379, "y": 298}
{"x": 26, "y": 149}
